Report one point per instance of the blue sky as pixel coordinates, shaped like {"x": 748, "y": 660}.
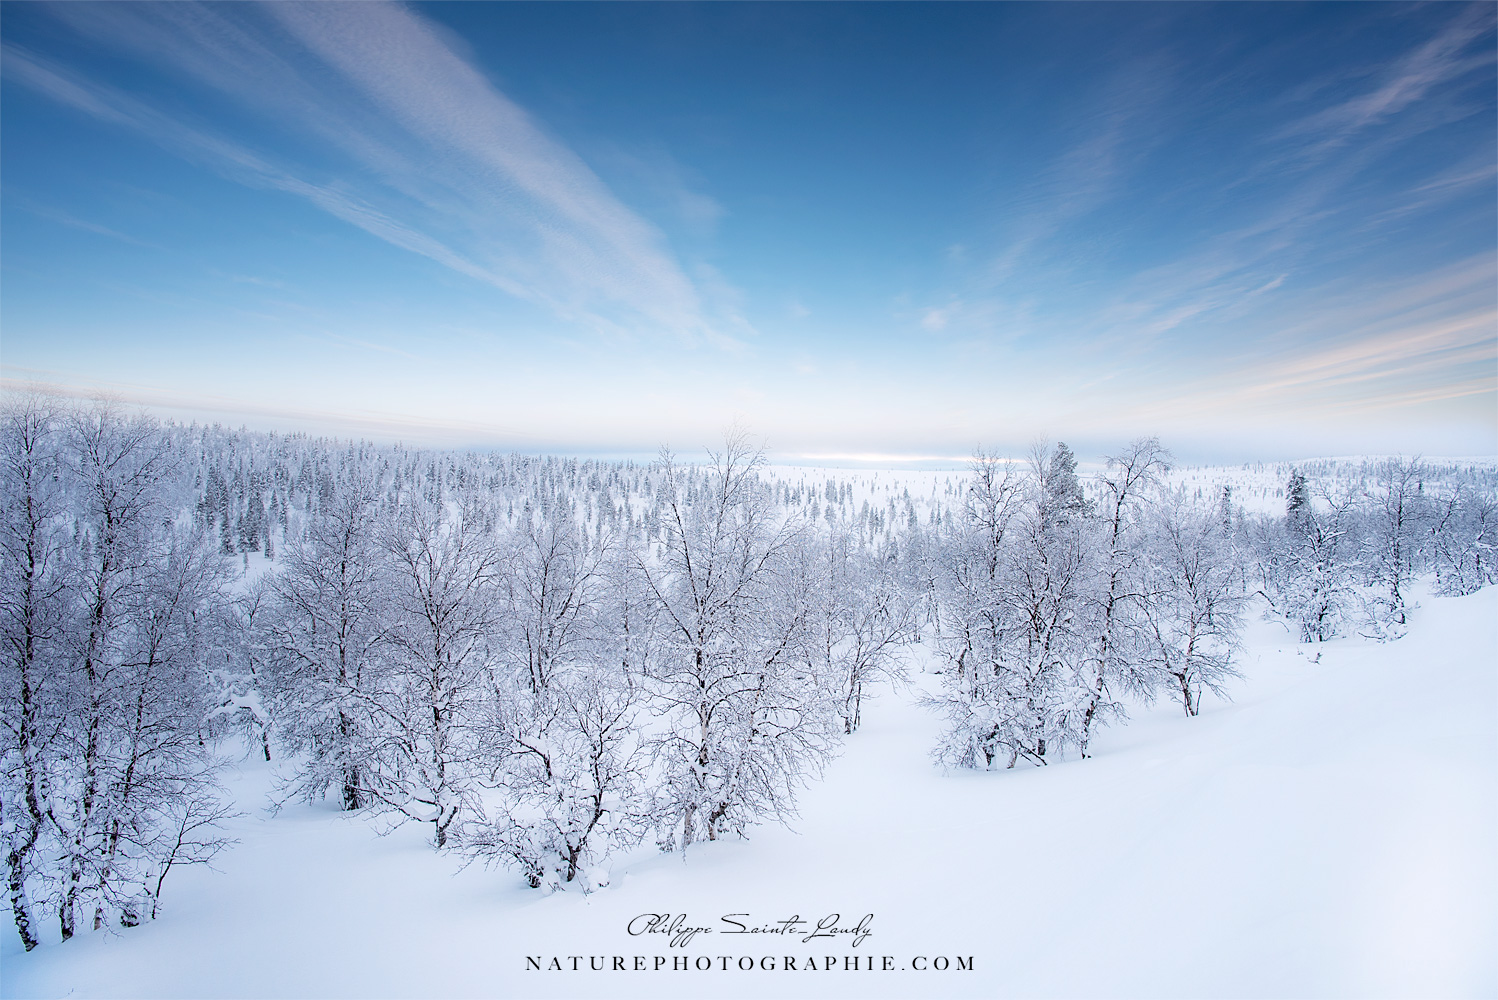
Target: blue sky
{"x": 898, "y": 230}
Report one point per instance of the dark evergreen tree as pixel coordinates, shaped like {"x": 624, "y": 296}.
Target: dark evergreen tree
{"x": 1298, "y": 502}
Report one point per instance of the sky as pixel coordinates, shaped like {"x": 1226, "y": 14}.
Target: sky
{"x": 890, "y": 233}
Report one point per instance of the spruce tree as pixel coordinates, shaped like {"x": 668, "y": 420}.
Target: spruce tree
{"x": 1298, "y": 502}
{"x": 1064, "y": 500}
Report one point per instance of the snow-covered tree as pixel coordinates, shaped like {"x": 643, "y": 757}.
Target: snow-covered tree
{"x": 554, "y": 588}
{"x": 1397, "y": 515}
{"x": 1297, "y": 501}
{"x": 1064, "y": 499}
{"x": 1124, "y": 487}
{"x": 571, "y": 772}
{"x": 1014, "y": 633}
{"x": 162, "y": 798}
{"x": 1190, "y": 602}
{"x": 33, "y": 603}
{"x": 238, "y": 672}
{"x": 743, "y": 724}
{"x": 327, "y": 637}
{"x": 858, "y": 621}
{"x": 111, "y": 606}
{"x": 1464, "y": 540}
{"x": 443, "y": 612}
{"x": 1304, "y": 565}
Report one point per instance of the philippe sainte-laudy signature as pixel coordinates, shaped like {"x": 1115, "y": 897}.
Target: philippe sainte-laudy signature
{"x": 681, "y": 929}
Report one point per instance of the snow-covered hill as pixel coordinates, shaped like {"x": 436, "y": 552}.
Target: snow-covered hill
{"x": 1332, "y": 832}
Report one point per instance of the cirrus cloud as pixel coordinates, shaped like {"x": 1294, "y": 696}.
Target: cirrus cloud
{"x": 371, "y": 113}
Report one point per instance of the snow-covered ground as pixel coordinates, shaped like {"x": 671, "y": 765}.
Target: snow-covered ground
{"x": 1332, "y": 832}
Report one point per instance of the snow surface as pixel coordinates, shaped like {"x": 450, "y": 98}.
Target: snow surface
{"x": 1332, "y": 832}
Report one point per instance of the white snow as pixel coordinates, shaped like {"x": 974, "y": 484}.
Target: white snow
{"x": 1332, "y": 832}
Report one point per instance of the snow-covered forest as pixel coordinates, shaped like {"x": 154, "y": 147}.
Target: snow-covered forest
{"x": 544, "y": 662}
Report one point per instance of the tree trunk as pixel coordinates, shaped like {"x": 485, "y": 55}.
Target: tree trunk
{"x": 20, "y": 906}
{"x": 1188, "y": 698}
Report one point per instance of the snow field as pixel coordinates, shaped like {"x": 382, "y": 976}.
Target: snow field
{"x": 1332, "y": 832}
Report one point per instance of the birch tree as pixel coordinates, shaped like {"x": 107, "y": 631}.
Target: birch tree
{"x": 571, "y": 772}
{"x": 32, "y": 602}
{"x": 858, "y": 620}
{"x": 443, "y": 614}
{"x": 744, "y": 724}
{"x": 555, "y": 584}
{"x": 1398, "y": 510}
{"x": 111, "y": 605}
{"x": 328, "y": 637}
{"x": 1191, "y": 606}
{"x": 1123, "y": 487}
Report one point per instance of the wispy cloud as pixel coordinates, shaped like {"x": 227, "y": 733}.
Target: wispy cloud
{"x": 935, "y": 319}
{"x": 1409, "y": 351}
{"x": 370, "y": 346}
{"x": 250, "y": 279}
{"x": 1445, "y": 56}
{"x": 370, "y": 114}
{"x": 676, "y": 191}
{"x": 1434, "y": 338}
{"x": 83, "y": 225}
{"x": 1304, "y": 199}
{"x": 1112, "y": 139}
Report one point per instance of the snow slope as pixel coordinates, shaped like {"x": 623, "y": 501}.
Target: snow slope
{"x": 1333, "y": 832}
